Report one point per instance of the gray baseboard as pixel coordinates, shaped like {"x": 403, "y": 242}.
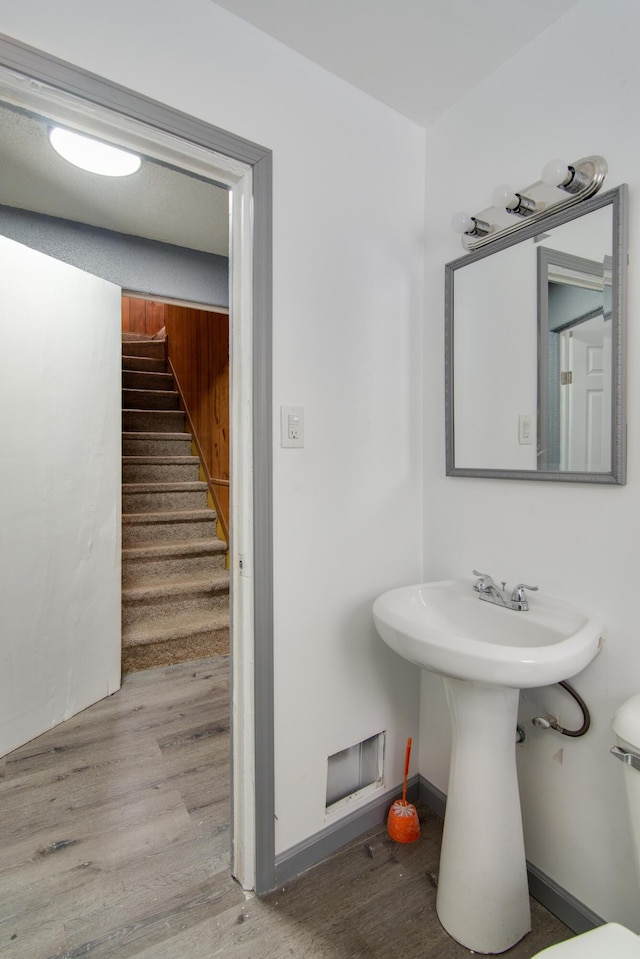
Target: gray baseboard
{"x": 293, "y": 862}
{"x": 568, "y": 909}
{"x": 431, "y": 796}
{"x": 311, "y": 851}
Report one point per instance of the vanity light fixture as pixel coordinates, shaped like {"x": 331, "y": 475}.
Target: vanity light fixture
{"x": 93, "y": 155}
{"x": 562, "y": 185}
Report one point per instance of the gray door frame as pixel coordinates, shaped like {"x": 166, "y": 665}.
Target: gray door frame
{"x": 63, "y": 76}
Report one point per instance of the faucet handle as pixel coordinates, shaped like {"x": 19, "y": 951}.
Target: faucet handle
{"x": 483, "y": 581}
{"x": 518, "y": 595}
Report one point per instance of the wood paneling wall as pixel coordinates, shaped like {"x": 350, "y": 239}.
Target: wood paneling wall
{"x": 198, "y": 346}
{"x": 142, "y": 316}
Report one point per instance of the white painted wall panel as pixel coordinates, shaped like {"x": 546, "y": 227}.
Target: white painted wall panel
{"x": 578, "y": 85}
{"x": 60, "y": 504}
{"x": 348, "y": 316}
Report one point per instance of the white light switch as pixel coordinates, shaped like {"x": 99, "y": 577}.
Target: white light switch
{"x": 291, "y": 426}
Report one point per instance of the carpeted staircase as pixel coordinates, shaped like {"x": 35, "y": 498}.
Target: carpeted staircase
{"x": 175, "y": 585}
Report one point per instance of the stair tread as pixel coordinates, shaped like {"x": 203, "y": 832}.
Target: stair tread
{"x": 153, "y": 372}
{"x": 160, "y": 460}
{"x": 212, "y": 581}
{"x": 179, "y": 548}
{"x": 194, "y": 486}
{"x": 174, "y": 627}
{"x": 135, "y": 389}
{"x": 139, "y": 409}
{"x": 148, "y": 435}
{"x": 171, "y": 516}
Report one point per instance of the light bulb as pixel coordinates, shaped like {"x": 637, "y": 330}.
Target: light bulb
{"x": 555, "y": 172}
{"x": 463, "y": 223}
{"x": 93, "y": 155}
{"x": 505, "y": 197}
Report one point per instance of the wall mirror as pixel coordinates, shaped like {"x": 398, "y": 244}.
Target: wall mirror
{"x": 534, "y": 334}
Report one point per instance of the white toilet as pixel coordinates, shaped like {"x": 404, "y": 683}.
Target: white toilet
{"x": 613, "y": 941}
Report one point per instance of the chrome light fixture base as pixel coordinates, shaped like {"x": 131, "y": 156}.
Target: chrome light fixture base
{"x": 584, "y": 178}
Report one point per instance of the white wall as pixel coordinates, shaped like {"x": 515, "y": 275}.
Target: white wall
{"x": 60, "y": 505}
{"x": 572, "y": 92}
{"x": 348, "y": 275}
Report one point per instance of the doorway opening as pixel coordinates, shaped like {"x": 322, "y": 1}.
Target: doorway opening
{"x": 35, "y": 82}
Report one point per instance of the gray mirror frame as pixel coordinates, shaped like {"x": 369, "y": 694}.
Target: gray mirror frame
{"x": 617, "y": 199}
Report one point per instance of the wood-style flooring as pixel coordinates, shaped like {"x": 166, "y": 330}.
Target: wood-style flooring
{"x": 114, "y": 842}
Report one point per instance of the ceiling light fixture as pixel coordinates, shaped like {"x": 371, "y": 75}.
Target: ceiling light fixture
{"x": 93, "y": 155}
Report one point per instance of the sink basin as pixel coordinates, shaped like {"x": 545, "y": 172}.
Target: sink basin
{"x": 485, "y": 654}
{"x": 445, "y": 627}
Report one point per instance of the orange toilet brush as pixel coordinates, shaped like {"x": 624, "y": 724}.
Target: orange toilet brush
{"x": 403, "y": 824}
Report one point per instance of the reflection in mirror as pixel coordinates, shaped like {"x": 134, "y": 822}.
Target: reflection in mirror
{"x": 575, "y": 368}
{"x": 534, "y": 339}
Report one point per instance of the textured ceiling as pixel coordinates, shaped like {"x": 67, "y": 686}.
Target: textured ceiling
{"x": 158, "y": 203}
{"x": 417, "y": 56}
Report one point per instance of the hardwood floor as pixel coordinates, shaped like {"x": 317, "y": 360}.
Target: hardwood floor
{"x": 114, "y": 842}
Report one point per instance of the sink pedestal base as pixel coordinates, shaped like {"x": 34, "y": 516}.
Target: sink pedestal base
{"x": 483, "y": 896}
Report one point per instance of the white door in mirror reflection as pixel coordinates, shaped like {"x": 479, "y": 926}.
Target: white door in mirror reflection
{"x": 585, "y": 397}
{"x": 576, "y": 372}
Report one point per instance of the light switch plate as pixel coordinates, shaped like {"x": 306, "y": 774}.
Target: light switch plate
{"x": 525, "y": 429}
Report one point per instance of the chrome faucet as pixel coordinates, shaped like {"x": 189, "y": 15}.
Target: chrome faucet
{"x": 491, "y": 593}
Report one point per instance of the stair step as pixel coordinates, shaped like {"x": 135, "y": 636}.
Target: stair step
{"x": 153, "y": 421}
{"x": 143, "y": 604}
{"x": 175, "y": 627}
{"x": 139, "y": 529}
{"x": 156, "y": 444}
{"x": 144, "y": 364}
{"x": 175, "y": 639}
{"x": 168, "y": 550}
{"x": 168, "y": 562}
{"x": 136, "y": 380}
{"x": 149, "y": 497}
{"x": 160, "y": 469}
{"x": 175, "y": 587}
{"x": 150, "y": 399}
{"x": 154, "y": 349}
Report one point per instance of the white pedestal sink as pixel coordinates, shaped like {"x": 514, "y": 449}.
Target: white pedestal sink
{"x": 485, "y": 654}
